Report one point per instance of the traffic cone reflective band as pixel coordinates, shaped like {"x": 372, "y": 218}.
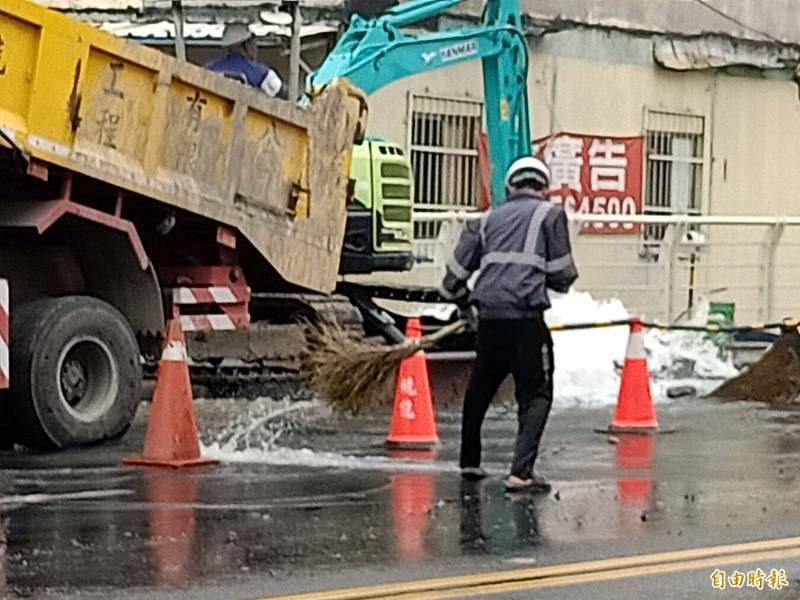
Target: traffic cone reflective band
{"x": 635, "y": 410}
{"x": 171, "y": 439}
{"x": 413, "y": 424}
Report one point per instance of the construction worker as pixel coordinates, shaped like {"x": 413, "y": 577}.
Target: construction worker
{"x": 522, "y": 249}
{"x": 240, "y": 62}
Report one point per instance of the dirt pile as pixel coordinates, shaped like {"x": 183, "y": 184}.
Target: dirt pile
{"x": 774, "y": 379}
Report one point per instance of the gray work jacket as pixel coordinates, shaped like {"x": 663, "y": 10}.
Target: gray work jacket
{"x": 521, "y": 248}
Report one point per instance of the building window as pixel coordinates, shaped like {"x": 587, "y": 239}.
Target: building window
{"x": 674, "y": 170}
{"x": 443, "y": 143}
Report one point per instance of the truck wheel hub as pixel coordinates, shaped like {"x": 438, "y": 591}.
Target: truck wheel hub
{"x": 89, "y": 378}
{"x": 73, "y": 381}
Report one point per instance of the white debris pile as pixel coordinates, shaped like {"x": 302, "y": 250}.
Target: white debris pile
{"x": 585, "y": 358}
{"x": 588, "y": 361}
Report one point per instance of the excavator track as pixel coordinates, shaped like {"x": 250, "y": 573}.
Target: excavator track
{"x": 265, "y": 359}
{"x": 250, "y": 381}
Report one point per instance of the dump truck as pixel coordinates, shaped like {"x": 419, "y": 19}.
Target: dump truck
{"x": 137, "y": 188}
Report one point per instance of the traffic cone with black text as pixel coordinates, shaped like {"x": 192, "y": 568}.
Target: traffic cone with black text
{"x": 413, "y": 423}
{"x": 171, "y": 439}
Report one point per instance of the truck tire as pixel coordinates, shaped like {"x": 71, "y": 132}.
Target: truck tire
{"x": 6, "y": 426}
{"x": 75, "y": 372}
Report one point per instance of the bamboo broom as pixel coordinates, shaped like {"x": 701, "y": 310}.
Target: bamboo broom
{"x": 350, "y": 374}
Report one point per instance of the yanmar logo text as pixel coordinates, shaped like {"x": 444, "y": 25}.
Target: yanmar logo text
{"x": 454, "y": 52}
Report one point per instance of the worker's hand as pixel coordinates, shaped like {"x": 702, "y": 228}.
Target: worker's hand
{"x": 460, "y": 297}
{"x": 469, "y": 314}
{"x": 453, "y": 292}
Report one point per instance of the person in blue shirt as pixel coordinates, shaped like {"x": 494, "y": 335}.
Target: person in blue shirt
{"x": 240, "y": 62}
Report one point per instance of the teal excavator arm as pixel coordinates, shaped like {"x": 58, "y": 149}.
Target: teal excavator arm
{"x": 375, "y": 52}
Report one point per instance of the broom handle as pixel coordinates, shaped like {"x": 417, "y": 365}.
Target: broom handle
{"x": 437, "y": 336}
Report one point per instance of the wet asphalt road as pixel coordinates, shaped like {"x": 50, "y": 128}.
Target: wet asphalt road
{"x": 80, "y": 525}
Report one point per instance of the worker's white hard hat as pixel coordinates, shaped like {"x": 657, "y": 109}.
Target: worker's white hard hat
{"x": 528, "y": 171}
{"x": 236, "y": 33}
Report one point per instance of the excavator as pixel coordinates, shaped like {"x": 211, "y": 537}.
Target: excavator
{"x": 375, "y": 52}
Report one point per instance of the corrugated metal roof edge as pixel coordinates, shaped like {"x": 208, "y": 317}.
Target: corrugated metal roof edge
{"x": 211, "y": 32}
{"x": 536, "y": 26}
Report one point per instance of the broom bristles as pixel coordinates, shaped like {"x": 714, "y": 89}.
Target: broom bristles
{"x": 348, "y": 373}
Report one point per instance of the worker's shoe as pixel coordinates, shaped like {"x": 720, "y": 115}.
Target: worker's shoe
{"x": 473, "y": 473}
{"x": 534, "y": 485}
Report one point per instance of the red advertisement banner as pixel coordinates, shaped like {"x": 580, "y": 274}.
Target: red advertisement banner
{"x": 593, "y": 174}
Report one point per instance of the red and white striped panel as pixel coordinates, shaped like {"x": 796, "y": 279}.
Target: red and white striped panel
{"x": 208, "y": 295}
{"x": 206, "y": 322}
{"x": 4, "y": 334}
{"x": 230, "y": 307}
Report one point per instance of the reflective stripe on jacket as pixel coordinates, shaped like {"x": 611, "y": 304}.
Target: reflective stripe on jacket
{"x": 521, "y": 248}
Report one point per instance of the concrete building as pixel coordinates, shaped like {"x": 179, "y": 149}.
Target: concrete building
{"x": 706, "y": 84}
{"x": 713, "y": 97}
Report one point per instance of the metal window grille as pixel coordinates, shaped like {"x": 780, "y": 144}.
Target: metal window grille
{"x": 674, "y": 170}
{"x": 443, "y": 142}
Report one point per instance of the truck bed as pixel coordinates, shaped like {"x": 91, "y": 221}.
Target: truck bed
{"x": 77, "y": 98}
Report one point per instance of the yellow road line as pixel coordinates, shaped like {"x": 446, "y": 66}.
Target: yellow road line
{"x": 549, "y": 576}
{"x": 599, "y": 576}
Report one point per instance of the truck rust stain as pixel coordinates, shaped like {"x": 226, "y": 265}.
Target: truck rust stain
{"x": 74, "y": 102}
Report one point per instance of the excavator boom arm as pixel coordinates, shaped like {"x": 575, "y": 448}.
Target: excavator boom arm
{"x": 373, "y": 53}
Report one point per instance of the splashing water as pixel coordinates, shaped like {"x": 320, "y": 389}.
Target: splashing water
{"x": 281, "y": 456}
{"x": 255, "y": 424}
{"x": 254, "y": 435}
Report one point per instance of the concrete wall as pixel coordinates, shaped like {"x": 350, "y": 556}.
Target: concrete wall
{"x": 779, "y": 21}
{"x": 600, "y": 82}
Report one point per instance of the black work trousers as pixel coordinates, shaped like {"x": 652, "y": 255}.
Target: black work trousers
{"x": 524, "y": 349}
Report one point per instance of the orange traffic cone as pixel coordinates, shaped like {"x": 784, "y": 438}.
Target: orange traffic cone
{"x": 635, "y": 412}
{"x": 413, "y": 423}
{"x": 171, "y": 439}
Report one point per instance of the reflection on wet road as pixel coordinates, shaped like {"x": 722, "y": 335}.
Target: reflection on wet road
{"x": 331, "y": 508}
